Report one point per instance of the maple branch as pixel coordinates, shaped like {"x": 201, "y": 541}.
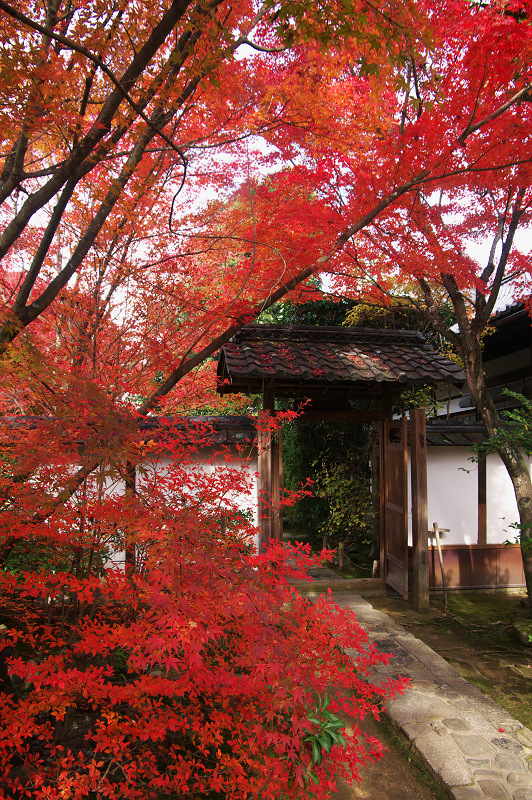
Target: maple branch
{"x": 183, "y": 369}
{"x": 458, "y": 300}
{"x": 375, "y": 211}
{"x": 432, "y": 311}
{"x": 48, "y": 509}
{"x": 244, "y": 282}
{"x": 488, "y": 270}
{"x": 42, "y": 249}
{"x": 483, "y": 314}
{"x": 472, "y": 128}
{"x": 13, "y": 171}
{"x": 473, "y": 170}
{"x": 366, "y": 273}
{"x": 97, "y": 60}
{"x": 407, "y": 97}
{"x": 418, "y": 93}
{"x": 98, "y": 130}
{"x": 266, "y": 49}
{"x": 219, "y": 237}
{"x": 159, "y": 118}
{"x": 29, "y": 313}
{"x": 479, "y": 89}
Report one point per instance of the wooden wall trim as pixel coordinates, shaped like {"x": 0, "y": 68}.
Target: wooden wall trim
{"x": 476, "y": 547}
{"x": 477, "y": 566}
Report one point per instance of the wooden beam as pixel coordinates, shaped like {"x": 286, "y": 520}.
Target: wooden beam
{"x": 268, "y": 467}
{"x": 277, "y": 485}
{"x": 420, "y": 541}
{"x": 376, "y": 496}
{"x": 130, "y": 491}
{"x": 386, "y": 402}
{"x": 382, "y": 501}
{"x": 396, "y": 506}
{"x": 264, "y": 441}
{"x": 268, "y": 396}
{"x": 482, "y": 500}
{"x": 342, "y": 415}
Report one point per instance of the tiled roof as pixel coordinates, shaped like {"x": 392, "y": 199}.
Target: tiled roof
{"x": 310, "y": 356}
{"x": 207, "y": 430}
{"x": 202, "y": 431}
{"x": 457, "y": 432}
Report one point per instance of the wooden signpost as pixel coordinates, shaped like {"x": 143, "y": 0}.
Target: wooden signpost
{"x": 436, "y": 530}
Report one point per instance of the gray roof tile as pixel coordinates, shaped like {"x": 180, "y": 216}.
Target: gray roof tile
{"x": 306, "y": 356}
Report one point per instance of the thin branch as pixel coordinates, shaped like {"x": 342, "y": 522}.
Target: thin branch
{"x": 497, "y": 113}
{"x": 97, "y": 60}
{"x": 481, "y": 320}
{"x": 407, "y": 98}
{"x": 183, "y": 369}
{"x": 418, "y": 93}
{"x": 265, "y": 49}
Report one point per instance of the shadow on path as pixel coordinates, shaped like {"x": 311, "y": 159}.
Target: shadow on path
{"x": 394, "y": 777}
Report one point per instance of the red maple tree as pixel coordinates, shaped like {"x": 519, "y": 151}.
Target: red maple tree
{"x": 170, "y": 170}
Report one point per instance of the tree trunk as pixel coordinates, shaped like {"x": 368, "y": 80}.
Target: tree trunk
{"x": 510, "y": 455}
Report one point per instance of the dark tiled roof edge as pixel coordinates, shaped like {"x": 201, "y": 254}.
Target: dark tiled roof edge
{"x": 257, "y": 332}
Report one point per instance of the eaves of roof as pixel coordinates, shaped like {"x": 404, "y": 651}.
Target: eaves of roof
{"x": 302, "y": 358}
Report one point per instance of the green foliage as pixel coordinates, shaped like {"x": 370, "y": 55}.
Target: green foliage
{"x": 515, "y": 429}
{"x": 380, "y": 35}
{"x": 31, "y": 556}
{"x": 322, "y": 312}
{"x": 315, "y": 312}
{"x": 120, "y": 665}
{"x": 399, "y": 315}
{"x": 335, "y": 455}
{"x": 420, "y": 395}
{"x": 302, "y": 447}
{"x": 36, "y": 555}
{"x": 327, "y": 726}
{"x": 345, "y": 486}
{"x": 404, "y": 314}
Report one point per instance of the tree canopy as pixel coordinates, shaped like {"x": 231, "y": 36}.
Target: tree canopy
{"x": 171, "y": 170}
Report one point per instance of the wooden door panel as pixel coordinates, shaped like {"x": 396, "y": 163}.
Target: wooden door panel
{"x": 395, "y": 506}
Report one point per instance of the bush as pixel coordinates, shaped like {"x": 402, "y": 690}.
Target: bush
{"x": 204, "y": 673}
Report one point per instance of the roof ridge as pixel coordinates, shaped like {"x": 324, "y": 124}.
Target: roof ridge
{"x": 258, "y": 331}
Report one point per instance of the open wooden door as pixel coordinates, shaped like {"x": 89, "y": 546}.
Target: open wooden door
{"x": 395, "y": 538}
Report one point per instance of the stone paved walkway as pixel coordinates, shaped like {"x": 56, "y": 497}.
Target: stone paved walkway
{"x": 469, "y": 743}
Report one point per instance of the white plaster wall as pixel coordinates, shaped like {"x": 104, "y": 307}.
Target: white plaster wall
{"x": 453, "y": 496}
{"x": 110, "y": 487}
{"x": 207, "y": 463}
{"x": 452, "y": 493}
{"x": 501, "y": 502}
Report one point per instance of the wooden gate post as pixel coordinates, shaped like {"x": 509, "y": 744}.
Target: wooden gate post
{"x": 269, "y": 470}
{"x": 277, "y": 485}
{"x": 420, "y": 539}
{"x": 264, "y": 441}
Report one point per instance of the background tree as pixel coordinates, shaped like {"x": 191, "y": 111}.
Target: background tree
{"x": 433, "y": 251}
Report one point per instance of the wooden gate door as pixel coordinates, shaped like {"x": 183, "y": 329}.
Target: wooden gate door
{"x": 395, "y": 539}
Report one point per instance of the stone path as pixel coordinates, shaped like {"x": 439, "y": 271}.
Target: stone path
{"x": 469, "y": 743}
